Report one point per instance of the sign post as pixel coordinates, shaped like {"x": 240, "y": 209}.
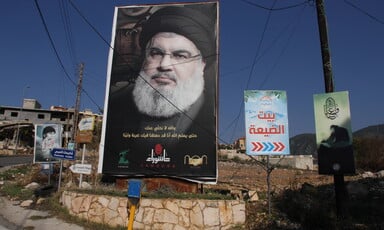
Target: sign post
{"x": 134, "y": 194}
{"x": 334, "y": 141}
{"x": 86, "y": 126}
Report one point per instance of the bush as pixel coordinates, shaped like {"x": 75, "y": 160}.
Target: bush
{"x": 309, "y": 206}
{"x": 16, "y": 191}
{"x": 369, "y": 153}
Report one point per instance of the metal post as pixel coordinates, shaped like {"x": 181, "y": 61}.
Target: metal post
{"x": 269, "y": 186}
{"x": 61, "y": 171}
{"x": 82, "y": 162}
{"x": 132, "y": 211}
{"x": 49, "y": 171}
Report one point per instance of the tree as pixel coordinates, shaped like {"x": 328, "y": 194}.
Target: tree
{"x": 369, "y": 153}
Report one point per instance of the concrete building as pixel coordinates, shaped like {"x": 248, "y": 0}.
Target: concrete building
{"x": 31, "y": 114}
{"x": 239, "y": 145}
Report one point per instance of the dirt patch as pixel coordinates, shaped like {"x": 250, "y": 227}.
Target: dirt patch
{"x": 252, "y": 176}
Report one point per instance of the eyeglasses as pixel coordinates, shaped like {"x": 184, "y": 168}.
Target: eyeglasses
{"x": 179, "y": 56}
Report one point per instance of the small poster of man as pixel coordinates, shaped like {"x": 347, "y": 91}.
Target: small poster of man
{"x": 47, "y": 137}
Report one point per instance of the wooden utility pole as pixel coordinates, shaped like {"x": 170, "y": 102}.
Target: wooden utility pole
{"x": 77, "y": 105}
{"x": 326, "y": 57}
{"x": 340, "y": 190}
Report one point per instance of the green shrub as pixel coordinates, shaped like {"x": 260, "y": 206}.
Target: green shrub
{"x": 369, "y": 153}
{"x": 16, "y": 191}
{"x": 308, "y": 206}
{"x": 14, "y": 172}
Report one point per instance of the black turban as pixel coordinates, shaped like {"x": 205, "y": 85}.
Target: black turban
{"x": 196, "y": 25}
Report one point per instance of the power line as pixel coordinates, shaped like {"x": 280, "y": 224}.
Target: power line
{"x": 236, "y": 120}
{"x": 52, "y": 43}
{"x": 57, "y": 54}
{"x": 282, "y": 51}
{"x": 364, "y": 12}
{"x": 275, "y": 9}
{"x": 258, "y": 56}
{"x": 89, "y": 24}
{"x": 68, "y": 32}
{"x": 68, "y": 36}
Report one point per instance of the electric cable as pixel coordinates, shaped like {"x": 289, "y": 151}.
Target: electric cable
{"x": 252, "y": 68}
{"x": 68, "y": 38}
{"x": 272, "y": 8}
{"x": 58, "y": 56}
{"x": 282, "y": 51}
{"x": 265, "y": 51}
{"x": 364, "y": 12}
{"x": 66, "y": 19}
{"x": 52, "y": 43}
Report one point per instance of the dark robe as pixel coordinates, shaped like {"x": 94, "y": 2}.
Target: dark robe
{"x": 180, "y": 146}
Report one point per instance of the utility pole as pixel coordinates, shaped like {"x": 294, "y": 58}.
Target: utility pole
{"x": 340, "y": 190}
{"x": 326, "y": 57}
{"x": 77, "y": 105}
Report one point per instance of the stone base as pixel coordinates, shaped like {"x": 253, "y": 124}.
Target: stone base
{"x": 157, "y": 213}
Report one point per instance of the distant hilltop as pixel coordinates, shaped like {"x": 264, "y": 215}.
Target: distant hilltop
{"x": 305, "y": 144}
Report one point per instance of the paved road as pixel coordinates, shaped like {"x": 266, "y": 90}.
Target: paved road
{"x": 15, "y": 160}
{"x": 5, "y": 224}
{"x": 15, "y": 217}
{"x": 6, "y": 161}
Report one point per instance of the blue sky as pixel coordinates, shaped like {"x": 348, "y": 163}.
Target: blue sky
{"x": 259, "y": 49}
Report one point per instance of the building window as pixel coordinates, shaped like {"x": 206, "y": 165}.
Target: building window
{"x": 40, "y": 116}
{"x": 14, "y": 114}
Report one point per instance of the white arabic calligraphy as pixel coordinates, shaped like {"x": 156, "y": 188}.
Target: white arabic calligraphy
{"x": 156, "y": 159}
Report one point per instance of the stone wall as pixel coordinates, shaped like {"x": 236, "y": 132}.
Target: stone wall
{"x": 157, "y": 213}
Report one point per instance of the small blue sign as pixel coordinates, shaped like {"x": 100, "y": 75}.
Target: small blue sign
{"x": 67, "y": 154}
{"x": 134, "y": 188}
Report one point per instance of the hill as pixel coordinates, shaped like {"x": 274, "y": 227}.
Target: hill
{"x": 370, "y": 131}
{"x": 305, "y": 144}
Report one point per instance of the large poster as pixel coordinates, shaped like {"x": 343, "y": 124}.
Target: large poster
{"x": 160, "y": 110}
{"x": 334, "y": 133}
{"x": 266, "y": 122}
{"x": 47, "y": 137}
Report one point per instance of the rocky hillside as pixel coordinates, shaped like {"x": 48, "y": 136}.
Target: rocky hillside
{"x": 305, "y": 144}
{"x": 370, "y": 131}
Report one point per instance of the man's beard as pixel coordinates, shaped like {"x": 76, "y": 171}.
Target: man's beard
{"x": 162, "y": 102}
